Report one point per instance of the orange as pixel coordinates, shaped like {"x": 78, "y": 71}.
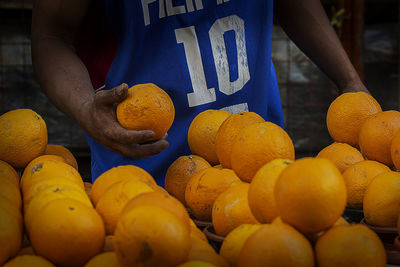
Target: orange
{"x": 276, "y": 245}
{"x": 341, "y": 154}
{"x": 231, "y": 209}
{"x": 202, "y": 132}
{"x": 196, "y": 232}
{"x": 398, "y": 225}
{"x": 313, "y": 237}
{"x": 47, "y": 170}
{"x": 204, "y": 188}
{"x": 46, "y": 183}
{"x": 261, "y": 191}
{"x": 147, "y": 107}
{"x": 357, "y": 177}
{"x": 62, "y": 152}
{"x": 258, "y": 144}
{"x": 163, "y": 200}
{"x": 310, "y": 194}
{"x": 228, "y": 131}
{"x": 196, "y": 264}
{"x": 10, "y": 191}
{"x": 10, "y": 232}
{"x": 395, "y": 150}
{"x": 49, "y": 194}
{"x": 234, "y": 241}
{"x": 107, "y": 259}
{"x": 109, "y": 243}
{"x": 29, "y": 261}
{"x": 26, "y": 251}
{"x": 180, "y": 172}
{"x": 23, "y": 137}
{"x": 8, "y": 207}
{"x": 151, "y": 236}
{"x": 350, "y": 246}
{"x": 219, "y": 166}
{"x": 376, "y": 136}
{"x": 115, "y": 198}
{"x": 117, "y": 174}
{"x": 7, "y": 172}
{"x": 201, "y": 250}
{"x": 347, "y": 113}
{"x": 67, "y": 232}
{"x": 382, "y": 200}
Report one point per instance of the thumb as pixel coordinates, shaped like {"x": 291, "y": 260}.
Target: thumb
{"x": 112, "y": 96}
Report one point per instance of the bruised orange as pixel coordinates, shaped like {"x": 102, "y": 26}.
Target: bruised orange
{"x": 231, "y": 209}
{"x": 180, "y": 172}
{"x": 346, "y": 115}
{"x": 228, "y": 131}
{"x": 204, "y": 188}
{"x": 202, "y": 132}
{"x": 147, "y": 107}
{"x": 23, "y": 137}
{"x": 258, "y": 144}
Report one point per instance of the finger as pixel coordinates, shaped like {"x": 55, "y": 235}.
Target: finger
{"x": 117, "y": 133}
{"x": 112, "y": 96}
{"x": 147, "y": 150}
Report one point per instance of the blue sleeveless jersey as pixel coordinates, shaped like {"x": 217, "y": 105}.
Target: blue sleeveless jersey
{"x": 206, "y": 54}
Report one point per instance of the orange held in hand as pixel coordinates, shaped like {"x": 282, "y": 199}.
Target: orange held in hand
{"x": 147, "y": 107}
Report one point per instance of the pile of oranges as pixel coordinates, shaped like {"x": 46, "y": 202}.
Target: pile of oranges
{"x": 242, "y": 176}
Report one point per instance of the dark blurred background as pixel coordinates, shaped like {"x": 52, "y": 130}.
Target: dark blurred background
{"x": 369, "y": 30}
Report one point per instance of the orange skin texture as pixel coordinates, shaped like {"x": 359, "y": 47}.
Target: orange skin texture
{"x": 201, "y": 250}
{"x": 81, "y": 238}
{"x": 204, "y": 188}
{"x": 28, "y": 261}
{"x": 46, "y": 183}
{"x": 46, "y": 170}
{"x": 151, "y": 236}
{"x": 107, "y": 259}
{"x": 10, "y": 191}
{"x": 310, "y": 194}
{"x": 112, "y": 203}
{"x": 109, "y": 243}
{"x": 231, "y": 209}
{"x": 196, "y": 264}
{"x": 180, "y": 172}
{"x": 376, "y": 136}
{"x": 62, "y": 152}
{"x": 382, "y": 200}
{"x": 23, "y": 137}
{"x": 258, "y": 144}
{"x": 357, "y": 177}
{"x": 342, "y": 155}
{"x": 26, "y": 175}
{"x": 147, "y": 107}
{"x": 49, "y": 194}
{"x": 11, "y": 231}
{"x": 276, "y": 245}
{"x": 163, "y": 200}
{"x": 234, "y": 241}
{"x": 228, "y": 131}
{"x": 202, "y": 133}
{"x": 395, "y": 150}
{"x": 7, "y": 172}
{"x": 350, "y": 246}
{"x": 261, "y": 192}
{"x": 197, "y": 233}
{"x": 346, "y": 115}
{"x": 118, "y": 174}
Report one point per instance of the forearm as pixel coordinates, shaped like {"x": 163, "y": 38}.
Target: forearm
{"x": 62, "y": 76}
{"x": 307, "y": 25}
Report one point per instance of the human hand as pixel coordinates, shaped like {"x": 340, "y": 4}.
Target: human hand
{"x": 101, "y": 124}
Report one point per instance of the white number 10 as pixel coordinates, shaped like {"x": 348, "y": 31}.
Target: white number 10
{"x": 201, "y": 94}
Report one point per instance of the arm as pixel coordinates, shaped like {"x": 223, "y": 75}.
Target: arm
{"x": 65, "y": 79}
{"x": 307, "y": 25}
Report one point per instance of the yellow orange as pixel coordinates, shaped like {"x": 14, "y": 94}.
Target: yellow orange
{"x": 29, "y": 261}
{"x": 106, "y": 259}
{"x": 63, "y": 152}
{"x": 341, "y": 154}
{"x": 7, "y": 172}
